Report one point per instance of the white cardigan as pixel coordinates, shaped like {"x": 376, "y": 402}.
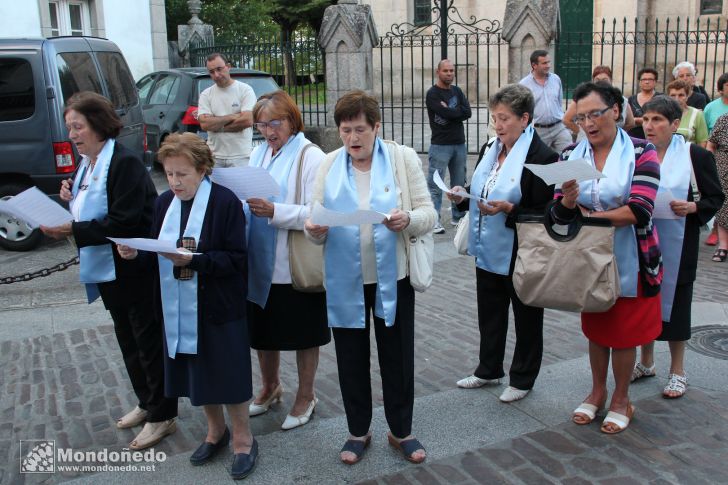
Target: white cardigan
{"x": 422, "y": 216}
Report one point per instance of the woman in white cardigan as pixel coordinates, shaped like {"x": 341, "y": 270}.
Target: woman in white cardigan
{"x": 366, "y": 270}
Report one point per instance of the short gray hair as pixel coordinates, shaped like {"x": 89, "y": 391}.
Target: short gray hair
{"x": 517, "y": 97}
{"x": 683, "y": 65}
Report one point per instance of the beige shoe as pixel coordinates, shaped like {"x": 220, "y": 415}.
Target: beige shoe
{"x": 135, "y": 417}
{"x": 257, "y": 409}
{"x": 152, "y": 433}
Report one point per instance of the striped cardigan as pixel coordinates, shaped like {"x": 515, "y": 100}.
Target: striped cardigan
{"x": 645, "y": 181}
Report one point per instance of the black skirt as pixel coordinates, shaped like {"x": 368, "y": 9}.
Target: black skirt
{"x": 219, "y": 373}
{"x": 678, "y": 328}
{"x": 291, "y": 320}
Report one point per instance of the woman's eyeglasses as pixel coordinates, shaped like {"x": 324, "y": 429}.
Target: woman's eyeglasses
{"x": 262, "y": 125}
{"x": 591, "y": 116}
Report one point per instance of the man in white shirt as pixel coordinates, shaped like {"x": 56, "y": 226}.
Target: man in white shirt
{"x": 548, "y": 94}
{"x": 226, "y": 113}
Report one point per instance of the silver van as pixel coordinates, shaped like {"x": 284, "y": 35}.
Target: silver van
{"x": 37, "y": 76}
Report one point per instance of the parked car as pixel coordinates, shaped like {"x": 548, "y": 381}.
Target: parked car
{"x": 37, "y": 76}
{"x": 169, "y": 99}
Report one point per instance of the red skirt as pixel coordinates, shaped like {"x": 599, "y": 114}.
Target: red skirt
{"x": 631, "y": 322}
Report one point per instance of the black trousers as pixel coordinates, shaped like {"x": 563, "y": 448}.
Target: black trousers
{"x": 495, "y": 294}
{"x": 139, "y": 334}
{"x": 396, "y": 350}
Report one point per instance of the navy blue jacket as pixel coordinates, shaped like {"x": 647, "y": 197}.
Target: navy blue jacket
{"x": 222, "y": 269}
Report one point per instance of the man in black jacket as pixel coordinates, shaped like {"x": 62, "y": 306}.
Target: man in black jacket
{"x": 447, "y": 108}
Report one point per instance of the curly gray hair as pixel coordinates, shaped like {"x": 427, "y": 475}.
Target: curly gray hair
{"x": 684, "y": 65}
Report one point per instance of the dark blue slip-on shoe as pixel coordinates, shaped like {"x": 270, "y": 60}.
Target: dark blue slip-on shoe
{"x": 243, "y": 463}
{"x": 206, "y": 451}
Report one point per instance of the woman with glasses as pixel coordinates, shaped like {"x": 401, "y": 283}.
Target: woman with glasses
{"x": 647, "y": 81}
{"x": 626, "y": 197}
{"x": 281, "y": 317}
{"x": 506, "y": 190}
{"x": 367, "y": 272}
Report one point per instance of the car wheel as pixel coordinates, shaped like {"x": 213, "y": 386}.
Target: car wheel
{"x": 16, "y": 235}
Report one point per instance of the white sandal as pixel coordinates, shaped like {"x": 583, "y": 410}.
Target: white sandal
{"x": 641, "y": 371}
{"x": 675, "y": 383}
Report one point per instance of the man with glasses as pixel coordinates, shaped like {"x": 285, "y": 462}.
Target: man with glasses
{"x": 548, "y": 93}
{"x": 647, "y": 81}
{"x": 226, "y": 114}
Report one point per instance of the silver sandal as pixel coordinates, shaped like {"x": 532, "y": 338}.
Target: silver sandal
{"x": 675, "y": 383}
{"x": 641, "y": 371}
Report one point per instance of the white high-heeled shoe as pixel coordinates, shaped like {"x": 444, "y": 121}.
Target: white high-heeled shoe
{"x": 257, "y": 409}
{"x": 296, "y": 421}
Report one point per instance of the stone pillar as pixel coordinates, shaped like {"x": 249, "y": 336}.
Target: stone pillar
{"x": 160, "y": 53}
{"x": 347, "y": 35}
{"x": 195, "y": 32}
{"x": 528, "y": 25}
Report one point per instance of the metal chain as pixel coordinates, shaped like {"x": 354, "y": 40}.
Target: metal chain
{"x": 40, "y": 273}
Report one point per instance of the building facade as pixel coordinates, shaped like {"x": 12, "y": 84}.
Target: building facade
{"x": 138, "y": 27}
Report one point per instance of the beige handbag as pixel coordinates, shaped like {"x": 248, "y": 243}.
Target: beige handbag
{"x": 305, "y": 258}
{"x": 462, "y": 234}
{"x": 574, "y": 271}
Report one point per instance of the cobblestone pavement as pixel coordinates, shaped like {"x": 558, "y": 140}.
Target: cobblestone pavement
{"x": 691, "y": 450}
{"x": 70, "y": 385}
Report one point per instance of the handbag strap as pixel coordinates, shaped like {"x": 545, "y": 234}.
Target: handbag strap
{"x": 299, "y": 176}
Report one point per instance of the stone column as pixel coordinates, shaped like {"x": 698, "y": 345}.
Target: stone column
{"x": 195, "y": 32}
{"x": 528, "y": 25}
{"x": 160, "y": 53}
{"x": 347, "y": 35}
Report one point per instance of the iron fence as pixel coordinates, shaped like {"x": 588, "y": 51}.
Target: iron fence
{"x": 297, "y": 65}
{"x": 628, "y": 46}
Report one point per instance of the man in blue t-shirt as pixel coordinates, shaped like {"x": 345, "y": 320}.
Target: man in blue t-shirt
{"x": 447, "y": 108}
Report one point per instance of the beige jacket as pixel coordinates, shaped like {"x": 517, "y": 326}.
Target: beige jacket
{"x": 422, "y": 216}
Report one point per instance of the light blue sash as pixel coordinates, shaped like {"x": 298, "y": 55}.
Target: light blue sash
{"x": 96, "y": 262}
{"x": 613, "y": 192}
{"x": 490, "y": 241}
{"x": 342, "y": 252}
{"x": 179, "y": 297}
{"x": 675, "y": 177}
{"x": 262, "y": 236}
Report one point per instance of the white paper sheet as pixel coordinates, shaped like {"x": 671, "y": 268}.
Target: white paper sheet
{"x": 36, "y": 209}
{"x": 440, "y": 183}
{"x": 326, "y": 217}
{"x": 153, "y": 245}
{"x": 247, "y": 182}
{"x": 662, "y": 208}
{"x": 560, "y": 172}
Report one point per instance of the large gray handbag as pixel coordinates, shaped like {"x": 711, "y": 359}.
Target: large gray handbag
{"x": 574, "y": 271}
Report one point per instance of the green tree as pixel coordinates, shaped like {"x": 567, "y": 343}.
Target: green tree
{"x": 232, "y": 20}
{"x": 289, "y": 14}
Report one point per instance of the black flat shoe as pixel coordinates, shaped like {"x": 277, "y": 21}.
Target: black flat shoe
{"x": 243, "y": 463}
{"x": 206, "y": 451}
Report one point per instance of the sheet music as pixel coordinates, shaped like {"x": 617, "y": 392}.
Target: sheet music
{"x": 153, "y": 245}
{"x": 560, "y": 172}
{"x": 246, "y": 182}
{"x": 662, "y": 208}
{"x": 326, "y": 217}
{"x": 440, "y": 183}
{"x": 36, "y": 209}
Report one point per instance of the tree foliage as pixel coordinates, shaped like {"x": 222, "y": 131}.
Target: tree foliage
{"x": 235, "y": 20}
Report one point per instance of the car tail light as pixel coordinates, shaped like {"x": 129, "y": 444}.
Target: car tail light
{"x": 63, "y": 153}
{"x": 190, "y": 116}
{"x": 146, "y": 143}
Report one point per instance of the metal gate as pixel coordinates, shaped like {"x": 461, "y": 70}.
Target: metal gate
{"x": 405, "y": 60}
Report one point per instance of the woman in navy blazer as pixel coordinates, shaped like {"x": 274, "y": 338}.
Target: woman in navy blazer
{"x": 202, "y": 295}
